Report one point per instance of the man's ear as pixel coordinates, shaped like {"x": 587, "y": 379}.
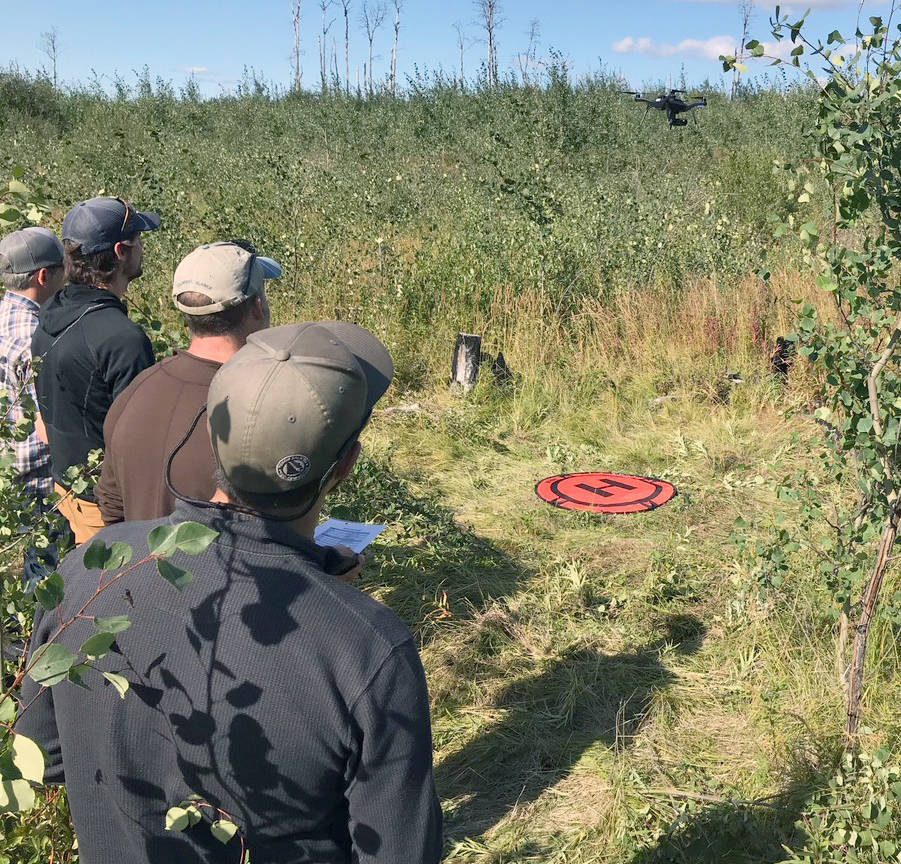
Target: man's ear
{"x": 120, "y": 250}
{"x": 347, "y": 463}
{"x": 41, "y": 277}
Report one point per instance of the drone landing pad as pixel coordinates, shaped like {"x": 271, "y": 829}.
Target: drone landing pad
{"x": 605, "y": 493}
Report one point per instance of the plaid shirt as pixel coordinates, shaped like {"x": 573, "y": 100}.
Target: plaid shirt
{"x": 18, "y": 320}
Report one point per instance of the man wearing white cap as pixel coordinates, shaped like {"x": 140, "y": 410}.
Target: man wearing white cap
{"x": 219, "y": 289}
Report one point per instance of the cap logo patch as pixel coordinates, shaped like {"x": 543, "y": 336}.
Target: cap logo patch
{"x": 293, "y": 468}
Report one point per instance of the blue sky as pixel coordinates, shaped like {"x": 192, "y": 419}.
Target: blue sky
{"x": 646, "y": 40}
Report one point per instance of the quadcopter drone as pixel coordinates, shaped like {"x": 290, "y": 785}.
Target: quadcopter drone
{"x": 672, "y": 103}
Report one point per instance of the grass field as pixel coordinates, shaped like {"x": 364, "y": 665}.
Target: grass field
{"x": 605, "y": 689}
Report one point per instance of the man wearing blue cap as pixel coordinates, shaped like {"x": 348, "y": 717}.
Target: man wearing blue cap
{"x": 220, "y": 290}
{"x": 91, "y": 350}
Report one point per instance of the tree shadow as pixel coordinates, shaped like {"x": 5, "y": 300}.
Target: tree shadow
{"x": 551, "y": 719}
{"x": 741, "y": 833}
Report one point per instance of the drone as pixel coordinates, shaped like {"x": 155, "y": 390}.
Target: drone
{"x": 672, "y": 103}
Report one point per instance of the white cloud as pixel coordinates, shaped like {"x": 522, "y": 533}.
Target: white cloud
{"x": 708, "y": 49}
{"x": 196, "y": 70}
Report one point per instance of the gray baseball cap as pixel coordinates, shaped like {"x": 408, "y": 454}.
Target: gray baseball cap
{"x": 227, "y": 273}
{"x": 28, "y": 250}
{"x": 285, "y": 409}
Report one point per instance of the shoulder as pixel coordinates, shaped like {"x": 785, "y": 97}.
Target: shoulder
{"x": 115, "y": 327}
{"x": 370, "y": 619}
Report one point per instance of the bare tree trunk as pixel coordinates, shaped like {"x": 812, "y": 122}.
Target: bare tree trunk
{"x": 398, "y": 5}
{"x": 345, "y": 4}
{"x": 461, "y": 44}
{"x": 489, "y": 10}
{"x": 324, "y": 6}
{"x": 526, "y": 60}
{"x": 372, "y": 18}
{"x": 50, "y": 45}
{"x": 862, "y": 631}
{"x": 746, "y": 7}
{"x": 337, "y": 74}
{"x": 295, "y": 18}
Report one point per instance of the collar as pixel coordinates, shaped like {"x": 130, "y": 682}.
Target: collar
{"x": 256, "y": 533}
{"x": 21, "y": 300}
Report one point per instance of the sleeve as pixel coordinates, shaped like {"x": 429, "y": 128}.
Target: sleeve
{"x": 107, "y": 491}
{"x": 125, "y": 354}
{"x": 38, "y": 722}
{"x": 394, "y": 814}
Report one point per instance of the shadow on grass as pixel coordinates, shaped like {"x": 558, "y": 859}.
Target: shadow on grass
{"x": 734, "y": 833}
{"x": 550, "y": 720}
{"x": 438, "y": 573}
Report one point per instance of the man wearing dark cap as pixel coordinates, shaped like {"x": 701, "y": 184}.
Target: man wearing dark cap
{"x": 219, "y": 289}
{"x": 31, "y": 268}
{"x": 91, "y": 350}
{"x": 270, "y": 687}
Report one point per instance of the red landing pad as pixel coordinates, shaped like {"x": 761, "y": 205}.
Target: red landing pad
{"x": 605, "y": 493}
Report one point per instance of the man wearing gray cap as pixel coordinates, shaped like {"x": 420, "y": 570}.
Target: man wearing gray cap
{"x": 293, "y": 701}
{"x": 91, "y": 350}
{"x": 219, "y": 289}
{"x": 31, "y": 267}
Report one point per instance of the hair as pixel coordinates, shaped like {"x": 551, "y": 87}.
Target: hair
{"x": 22, "y": 281}
{"x": 222, "y": 323}
{"x": 18, "y": 281}
{"x": 94, "y": 269}
{"x": 297, "y": 499}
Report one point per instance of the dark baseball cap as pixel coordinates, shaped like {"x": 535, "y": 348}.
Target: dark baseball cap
{"x": 29, "y": 250}
{"x": 100, "y": 223}
{"x": 285, "y": 409}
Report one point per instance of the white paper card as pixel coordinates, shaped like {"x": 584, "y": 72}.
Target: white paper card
{"x": 338, "y": 532}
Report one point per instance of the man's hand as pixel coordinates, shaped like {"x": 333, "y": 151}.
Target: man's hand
{"x": 355, "y": 563}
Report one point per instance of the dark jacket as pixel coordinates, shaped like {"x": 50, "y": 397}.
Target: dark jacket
{"x": 91, "y": 350}
{"x": 291, "y": 699}
{"x": 144, "y": 425}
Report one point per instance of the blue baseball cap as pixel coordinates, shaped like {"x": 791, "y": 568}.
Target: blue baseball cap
{"x": 101, "y": 223}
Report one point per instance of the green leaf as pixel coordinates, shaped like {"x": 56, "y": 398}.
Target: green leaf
{"x": 120, "y": 555}
{"x": 865, "y": 424}
{"x": 98, "y": 645}
{"x": 28, "y": 758}
{"x": 835, "y": 36}
{"x": 115, "y": 624}
{"x": 77, "y": 673}
{"x": 99, "y": 556}
{"x": 16, "y": 796}
{"x": 178, "y": 577}
{"x": 96, "y": 556}
{"x": 7, "y": 709}
{"x": 194, "y": 814}
{"x": 192, "y": 538}
{"x": 49, "y": 591}
{"x": 121, "y": 684}
{"x": 51, "y": 663}
{"x": 223, "y": 830}
{"x": 161, "y": 540}
{"x": 17, "y": 187}
{"x": 177, "y": 819}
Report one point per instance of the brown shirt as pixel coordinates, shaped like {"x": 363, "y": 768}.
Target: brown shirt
{"x": 144, "y": 425}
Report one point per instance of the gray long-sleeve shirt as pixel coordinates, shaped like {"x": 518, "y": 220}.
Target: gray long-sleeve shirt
{"x": 286, "y": 697}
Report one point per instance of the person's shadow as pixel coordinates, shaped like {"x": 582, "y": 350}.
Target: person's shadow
{"x": 550, "y": 720}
